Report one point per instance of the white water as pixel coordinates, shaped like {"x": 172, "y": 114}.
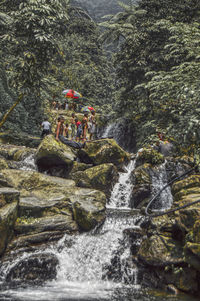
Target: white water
{"x": 83, "y": 259}
{"x": 159, "y": 180}
{"x": 28, "y": 163}
{"x": 121, "y": 192}
{"x": 86, "y": 260}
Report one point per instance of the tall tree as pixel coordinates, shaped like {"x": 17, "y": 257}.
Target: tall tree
{"x": 157, "y": 66}
{"x": 29, "y": 40}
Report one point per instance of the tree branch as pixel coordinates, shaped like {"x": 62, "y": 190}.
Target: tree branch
{"x": 6, "y": 115}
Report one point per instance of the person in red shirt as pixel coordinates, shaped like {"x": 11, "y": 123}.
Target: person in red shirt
{"x": 79, "y": 131}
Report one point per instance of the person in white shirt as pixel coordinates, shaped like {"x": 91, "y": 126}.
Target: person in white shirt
{"x": 46, "y": 128}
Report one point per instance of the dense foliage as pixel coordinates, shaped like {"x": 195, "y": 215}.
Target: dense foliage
{"x": 48, "y": 46}
{"x": 158, "y": 67}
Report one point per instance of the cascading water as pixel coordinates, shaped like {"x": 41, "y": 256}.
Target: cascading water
{"x": 97, "y": 265}
{"x": 159, "y": 180}
{"x": 86, "y": 262}
{"x": 122, "y": 190}
{"x": 28, "y": 163}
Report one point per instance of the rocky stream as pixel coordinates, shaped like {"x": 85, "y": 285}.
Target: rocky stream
{"x": 73, "y": 227}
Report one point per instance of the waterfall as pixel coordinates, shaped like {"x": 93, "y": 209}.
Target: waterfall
{"x": 92, "y": 266}
{"x": 159, "y": 180}
{"x": 122, "y": 190}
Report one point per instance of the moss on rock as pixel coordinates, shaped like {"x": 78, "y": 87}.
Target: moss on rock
{"x": 149, "y": 155}
{"x": 100, "y": 177}
{"x": 53, "y": 153}
{"x": 103, "y": 151}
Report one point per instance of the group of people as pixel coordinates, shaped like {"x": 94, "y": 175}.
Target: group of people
{"x": 66, "y": 105}
{"x": 78, "y": 130}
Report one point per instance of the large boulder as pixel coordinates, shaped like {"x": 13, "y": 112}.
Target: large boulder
{"x": 14, "y": 152}
{"x": 149, "y": 155}
{"x": 160, "y": 251}
{"x": 32, "y": 183}
{"x": 57, "y": 222}
{"x": 33, "y": 270}
{"x": 141, "y": 191}
{"x": 89, "y": 211}
{"x": 103, "y": 151}
{"x": 44, "y": 197}
{"x": 101, "y": 177}
{"x": 52, "y": 154}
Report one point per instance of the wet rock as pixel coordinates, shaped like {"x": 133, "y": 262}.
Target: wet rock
{"x": 57, "y": 222}
{"x": 192, "y": 255}
{"x": 158, "y": 250}
{"x": 89, "y": 211}
{"x": 189, "y": 182}
{"x": 149, "y": 155}
{"x": 33, "y": 270}
{"x": 8, "y": 195}
{"x": 35, "y": 184}
{"x": 32, "y": 241}
{"x": 101, "y": 177}
{"x": 103, "y": 151}
{"x": 3, "y": 163}
{"x": 34, "y": 207}
{"x": 52, "y": 155}
{"x": 141, "y": 186}
{"x": 8, "y": 216}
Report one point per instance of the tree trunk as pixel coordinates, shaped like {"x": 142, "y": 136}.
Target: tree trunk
{"x": 6, "y": 115}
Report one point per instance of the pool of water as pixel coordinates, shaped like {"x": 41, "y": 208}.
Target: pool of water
{"x": 79, "y": 293}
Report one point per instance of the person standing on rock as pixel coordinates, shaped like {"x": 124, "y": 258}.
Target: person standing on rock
{"x": 60, "y": 127}
{"x": 46, "y": 128}
{"x": 73, "y": 125}
{"x": 85, "y": 125}
{"x": 92, "y": 125}
{"x": 79, "y": 130}
{"x": 64, "y": 140}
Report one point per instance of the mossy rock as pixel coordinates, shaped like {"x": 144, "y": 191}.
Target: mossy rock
{"x": 101, "y": 177}
{"x": 57, "y": 222}
{"x": 89, "y": 211}
{"x": 196, "y": 231}
{"x": 192, "y": 255}
{"x": 3, "y": 163}
{"x": 149, "y": 155}
{"x": 52, "y": 153}
{"x": 160, "y": 251}
{"x": 33, "y": 183}
{"x": 23, "y": 153}
{"x": 188, "y": 217}
{"x": 8, "y": 151}
{"x": 8, "y": 216}
{"x": 189, "y": 182}
{"x": 185, "y": 192}
{"x": 103, "y": 151}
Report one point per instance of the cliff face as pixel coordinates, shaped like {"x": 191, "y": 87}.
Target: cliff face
{"x": 99, "y": 8}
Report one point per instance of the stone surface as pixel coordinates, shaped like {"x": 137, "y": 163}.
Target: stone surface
{"x": 101, "y": 177}
{"x": 103, "y": 151}
{"x": 33, "y": 270}
{"x": 160, "y": 251}
{"x": 149, "y": 155}
{"x": 8, "y": 216}
{"x": 89, "y": 211}
{"x": 53, "y": 154}
{"x": 59, "y": 222}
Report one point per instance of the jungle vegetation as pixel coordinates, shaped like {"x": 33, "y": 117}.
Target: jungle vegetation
{"x": 48, "y": 46}
{"x": 158, "y": 67}
{"x": 152, "y": 79}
